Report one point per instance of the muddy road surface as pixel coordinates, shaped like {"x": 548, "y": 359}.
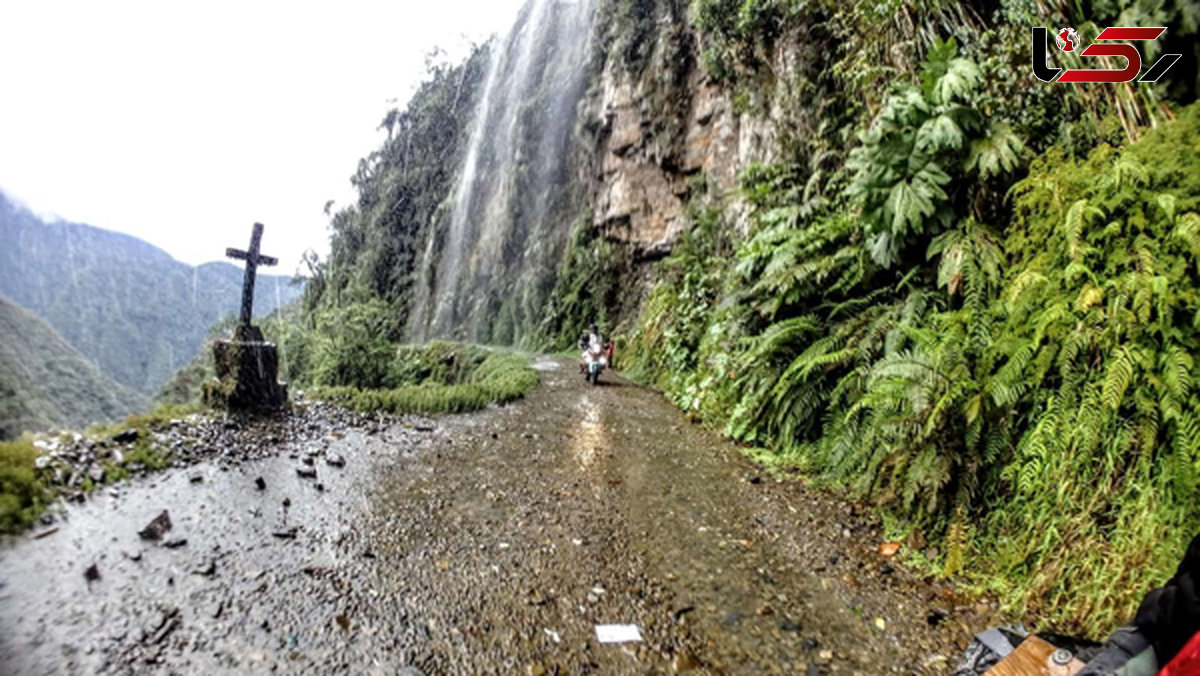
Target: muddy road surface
{"x": 487, "y": 543}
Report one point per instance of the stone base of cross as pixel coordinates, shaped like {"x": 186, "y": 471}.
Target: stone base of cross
{"x": 247, "y": 366}
{"x": 247, "y": 374}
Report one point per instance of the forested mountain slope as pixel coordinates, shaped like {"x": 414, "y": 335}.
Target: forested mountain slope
{"x": 864, "y": 240}
{"x": 126, "y": 305}
{"x": 45, "y": 383}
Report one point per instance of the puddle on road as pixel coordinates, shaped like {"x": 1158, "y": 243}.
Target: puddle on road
{"x": 588, "y": 437}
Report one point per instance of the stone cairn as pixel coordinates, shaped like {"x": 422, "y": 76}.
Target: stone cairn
{"x": 247, "y": 366}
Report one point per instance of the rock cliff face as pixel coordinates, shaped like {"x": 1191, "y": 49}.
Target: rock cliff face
{"x": 655, "y": 125}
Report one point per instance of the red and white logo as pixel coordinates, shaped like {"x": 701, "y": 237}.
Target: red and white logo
{"x": 1067, "y": 39}
{"x": 1111, "y": 42}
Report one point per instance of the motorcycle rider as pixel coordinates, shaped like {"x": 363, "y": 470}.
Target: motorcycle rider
{"x": 588, "y": 342}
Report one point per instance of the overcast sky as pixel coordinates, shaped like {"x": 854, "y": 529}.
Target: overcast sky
{"x": 184, "y": 123}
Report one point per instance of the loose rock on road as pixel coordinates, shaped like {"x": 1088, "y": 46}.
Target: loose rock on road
{"x": 486, "y": 543}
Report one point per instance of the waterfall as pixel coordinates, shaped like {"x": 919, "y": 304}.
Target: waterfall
{"x": 510, "y": 213}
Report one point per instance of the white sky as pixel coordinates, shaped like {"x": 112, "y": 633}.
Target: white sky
{"x": 184, "y": 123}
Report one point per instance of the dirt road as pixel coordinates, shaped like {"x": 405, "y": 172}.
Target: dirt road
{"x": 488, "y": 543}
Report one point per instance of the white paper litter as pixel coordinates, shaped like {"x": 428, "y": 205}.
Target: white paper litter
{"x": 618, "y": 633}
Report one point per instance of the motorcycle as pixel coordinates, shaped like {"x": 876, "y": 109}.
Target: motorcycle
{"x": 596, "y": 362}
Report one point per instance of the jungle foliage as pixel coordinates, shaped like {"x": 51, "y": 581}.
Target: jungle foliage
{"x": 440, "y": 378}
{"x": 983, "y": 320}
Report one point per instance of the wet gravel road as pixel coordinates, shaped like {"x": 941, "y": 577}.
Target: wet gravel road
{"x": 487, "y": 543}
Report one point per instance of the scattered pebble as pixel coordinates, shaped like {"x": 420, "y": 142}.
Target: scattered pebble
{"x": 157, "y": 527}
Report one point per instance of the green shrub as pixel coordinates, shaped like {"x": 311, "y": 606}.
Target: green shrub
{"x": 352, "y": 347}
{"x": 435, "y": 363}
{"x": 23, "y": 496}
{"x": 436, "y": 386}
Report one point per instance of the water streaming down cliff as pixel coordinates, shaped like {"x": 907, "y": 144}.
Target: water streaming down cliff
{"x": 489, "y": 265}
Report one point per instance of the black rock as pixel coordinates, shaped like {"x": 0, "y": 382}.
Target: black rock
{"x": 308, "y": 460}
{"x": 92, "y": 573}
{"x": 207, "y": 571}
{"x": 306, "y": 473}
{"x": 127, "y": 437}
{"x": 261, "y": 483}
{"x": 335, "y": 460}
{"x": 885, "y": 569}
{"x": 197, "y": 478}
{"x": 321, "y": 487}
{"x": 755, "y": 480}
{"x": 156, "y": 528}
{"x": 935, "y": 618}
{"x": 289, "y": 534}
{"x": 811, "y": 644}
{"x": 787, "y": 625}
{"x": 287, "y": 502}
{"x": 175, "y": 543}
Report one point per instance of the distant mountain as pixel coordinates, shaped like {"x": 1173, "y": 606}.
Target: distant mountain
{"x": 126, "y": 305}
{"x": 45, "y": 383}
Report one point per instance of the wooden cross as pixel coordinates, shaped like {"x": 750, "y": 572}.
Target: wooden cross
{"x": 253, "y": 260}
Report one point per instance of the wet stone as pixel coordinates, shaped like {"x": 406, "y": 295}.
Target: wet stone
{"x": 684, "y": 663}
{"x": 92, "y": 573}
{"x": 261, "y": 483}
{"x": 127, "y": 437}
{"x": 157, "y": 528}
{"x": 306, "y": 473}
{"x": 175, "y": 543}
{"x": 335, "y": 460}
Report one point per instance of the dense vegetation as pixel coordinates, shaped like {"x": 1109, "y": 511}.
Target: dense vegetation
{"x": 440, "y": 378}
{"x": 983, "y": 320}
{"x": 45, "y": 383}
{"x": 122, "y": 303}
